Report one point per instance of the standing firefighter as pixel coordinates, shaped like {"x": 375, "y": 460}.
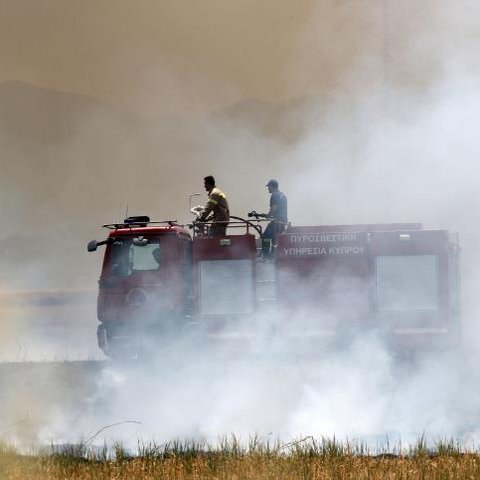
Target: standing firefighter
{"x": 217, "y": 205}
{"x": 278, "y": 214}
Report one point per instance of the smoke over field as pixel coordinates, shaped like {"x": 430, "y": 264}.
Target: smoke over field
{"x": 378, "y": 126}
{"x": 360, "y": 394}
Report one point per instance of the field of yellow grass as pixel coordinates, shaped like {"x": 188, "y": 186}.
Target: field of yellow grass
{"x": 317, "y": 460}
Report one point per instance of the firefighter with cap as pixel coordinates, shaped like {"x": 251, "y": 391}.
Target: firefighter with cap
{"x": 278, "y": 215}
{"x": 216, "y": 209}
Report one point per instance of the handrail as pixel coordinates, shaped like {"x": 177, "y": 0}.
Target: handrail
{"x": 241, "y": 222}
{"x": 258, "y": 228}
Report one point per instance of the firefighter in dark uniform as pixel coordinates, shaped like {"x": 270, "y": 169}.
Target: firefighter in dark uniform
{"x": 217, "y": 206}
{"x": 278, "y": 214}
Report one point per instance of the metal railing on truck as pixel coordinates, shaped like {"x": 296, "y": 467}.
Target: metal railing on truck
{"x": 202, "y": 228}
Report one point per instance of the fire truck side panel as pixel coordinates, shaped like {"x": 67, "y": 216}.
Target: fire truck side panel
{"x": 224, "y": 278}
{"x": 334, "y": 291}
{"x": 395, "y": 281}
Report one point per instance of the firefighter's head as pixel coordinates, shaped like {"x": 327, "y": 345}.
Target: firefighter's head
{"x": 209, "y": 183}
{"x": 272, "y": 185}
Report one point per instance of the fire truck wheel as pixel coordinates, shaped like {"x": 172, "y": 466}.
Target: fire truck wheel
{"x": 102, "y": 338}
{"x": 114, "y": 346}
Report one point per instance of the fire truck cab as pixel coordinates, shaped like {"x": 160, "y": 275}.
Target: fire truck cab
{"x": 159, "y": 281}
{"x": 145, "y": 287}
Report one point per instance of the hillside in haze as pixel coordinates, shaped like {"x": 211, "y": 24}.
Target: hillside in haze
{"x": 39, "y": 133}
{"x": 35, "y": 114}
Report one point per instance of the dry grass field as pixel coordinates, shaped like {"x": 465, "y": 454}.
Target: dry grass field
{"x": 317, "y": 460}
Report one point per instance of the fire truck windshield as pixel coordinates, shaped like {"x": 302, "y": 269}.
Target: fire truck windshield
{"x": 129, "y": 256}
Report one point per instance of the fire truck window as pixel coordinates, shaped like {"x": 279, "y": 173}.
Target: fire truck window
{"x": 146, "y": 257}
{"x": 127, "y": 258}
{"x": 119, "y": 264}
{"x": 407, "y": 282}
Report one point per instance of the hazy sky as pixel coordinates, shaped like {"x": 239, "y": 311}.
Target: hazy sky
{"x": 213, "y": 52}
{"x": 132, "y": 52}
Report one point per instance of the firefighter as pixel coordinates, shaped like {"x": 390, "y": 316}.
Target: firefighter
{"x": 217, "y": 205}
{"x": 278, "y": 214}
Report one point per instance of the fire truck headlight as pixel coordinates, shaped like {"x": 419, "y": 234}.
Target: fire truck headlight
{"x": 136, "y": 297}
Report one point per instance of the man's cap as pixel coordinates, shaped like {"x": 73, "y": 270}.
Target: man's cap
{"x": 272, "y": 183}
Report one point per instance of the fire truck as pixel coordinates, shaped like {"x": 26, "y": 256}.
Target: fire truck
{"x": 162, "y": 280}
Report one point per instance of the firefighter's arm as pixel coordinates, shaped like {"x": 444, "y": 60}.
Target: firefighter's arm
{"x": 208, "y": 209}
{"x": 272, "y": 212}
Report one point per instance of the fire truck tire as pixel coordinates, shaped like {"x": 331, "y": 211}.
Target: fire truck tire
{"x": 102, "y": 338}
{"x": 112, "y": 345}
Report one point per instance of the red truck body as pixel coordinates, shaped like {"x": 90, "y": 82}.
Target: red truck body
{"x": 324, "y": 282}
{"x": 397, "y": 279}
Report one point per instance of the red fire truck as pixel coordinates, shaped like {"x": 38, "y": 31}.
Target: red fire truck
{"x": 160, "y": 280}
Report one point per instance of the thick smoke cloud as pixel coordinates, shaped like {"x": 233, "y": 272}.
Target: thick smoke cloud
{"x": 391, "y": 138}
